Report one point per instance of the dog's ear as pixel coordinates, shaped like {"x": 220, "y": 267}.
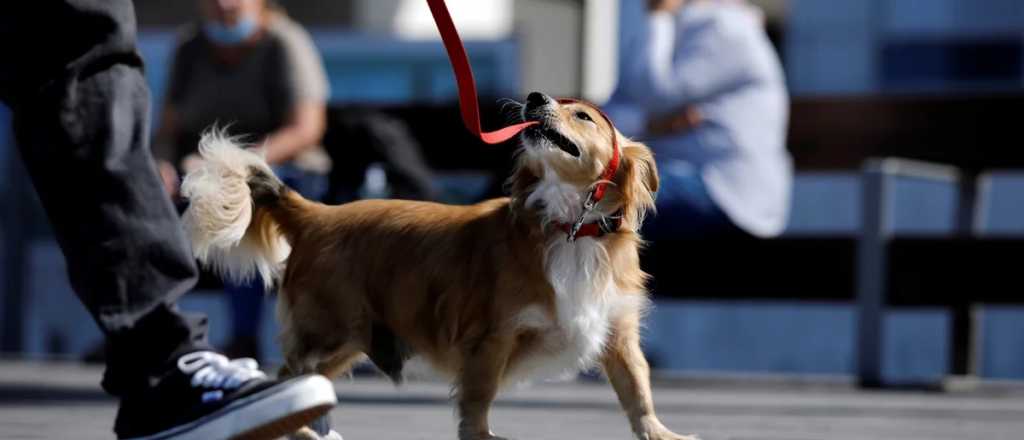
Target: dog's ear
{"x": 638, "y": 180}
{"x": 639, "y": 168}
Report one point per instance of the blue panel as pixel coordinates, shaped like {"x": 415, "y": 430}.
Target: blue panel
{"x": 921, "y": 206}
{"x": 830, "y": 47}
{"x": 905, "y": 16}
{"x": 6, "y": 149}
{"x": 443, "y": 87}
{"x": 915, "y": 346}
{"x": 825, "y": 203}
{"x": 791, "y": 338}
{"x": 952, "y": 17}
{"x": 829, "y": 203}
{"x": 369, "y": 82}
{"x": 834, "y": 46}
{"x": 1002, "y": 346}
{"x": 360, "y": 68}
{"x": 1001, "y": 206}
{"x": 818, "y": 63}
{"x": 834, "y": 15}
{"x": 55, "y": 321}
{"x": 157, "y": 49}
{"x": 778, "y": 337}
{"x": 6, "y": 162}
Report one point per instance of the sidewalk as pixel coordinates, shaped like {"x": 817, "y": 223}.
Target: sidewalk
{"x": 62, "y": 400}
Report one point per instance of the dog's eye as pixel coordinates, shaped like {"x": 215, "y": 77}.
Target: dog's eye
{"x": 583, "y": 116}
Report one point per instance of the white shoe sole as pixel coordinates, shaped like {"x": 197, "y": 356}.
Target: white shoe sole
{"x": 261, "y": 416}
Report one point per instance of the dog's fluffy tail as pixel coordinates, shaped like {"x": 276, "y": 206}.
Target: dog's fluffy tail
{"x": 237, "y": 207}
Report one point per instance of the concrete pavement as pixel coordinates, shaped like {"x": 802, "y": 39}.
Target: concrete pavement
{"x": 63, "y": 401}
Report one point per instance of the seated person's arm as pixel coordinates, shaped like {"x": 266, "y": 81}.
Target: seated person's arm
{"x": 668, "y": 74}
{"x": 677, "y": 122}
{"x": 305, "y": 82}
{"x": 304, "y": 129}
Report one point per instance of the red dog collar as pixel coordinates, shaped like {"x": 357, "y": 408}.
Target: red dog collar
{"x": 597, "y": 229}
{"x": 597, "y": 193}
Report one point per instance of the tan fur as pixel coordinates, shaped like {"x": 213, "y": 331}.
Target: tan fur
{"x": 453, "y": 282}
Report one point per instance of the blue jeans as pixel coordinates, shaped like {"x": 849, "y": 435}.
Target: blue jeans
{"x": 685, "y": 207}
{"x": 247, "y": 298}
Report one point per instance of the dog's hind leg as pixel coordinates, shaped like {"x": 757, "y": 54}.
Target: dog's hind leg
{"x": 330, "y": 355}
{"x": 342, "y": 361}
{"x": 335, "y": 365}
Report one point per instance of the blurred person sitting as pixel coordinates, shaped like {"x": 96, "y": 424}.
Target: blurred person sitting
{"x": 247, "y": 65}
{"x": 702, "y": 85}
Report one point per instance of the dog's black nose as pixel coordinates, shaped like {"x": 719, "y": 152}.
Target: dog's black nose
{"x": 536, "y": 100}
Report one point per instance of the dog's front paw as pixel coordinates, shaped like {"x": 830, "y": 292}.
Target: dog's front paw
{"x": 305, "y": 433}
{"x": 669, "y": 435}
{"x": 652, "y": 429}
{"x": 486, "y": 436}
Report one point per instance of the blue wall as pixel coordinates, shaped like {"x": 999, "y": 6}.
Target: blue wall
{"x": 873, "y": 46}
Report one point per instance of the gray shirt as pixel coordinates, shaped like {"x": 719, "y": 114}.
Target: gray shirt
{"x": 254, "y": 96}
{"x": 715, "y": 56}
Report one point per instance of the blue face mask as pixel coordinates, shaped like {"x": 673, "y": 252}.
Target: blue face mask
{"x": 230, "y": 35}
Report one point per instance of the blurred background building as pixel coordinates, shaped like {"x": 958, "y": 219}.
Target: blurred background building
{"x": 937, "y": 80}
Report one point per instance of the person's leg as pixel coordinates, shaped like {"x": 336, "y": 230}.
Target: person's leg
{"x": 310, "y": 184}
{"x": 80, "y": 107}
{"x": 246, "y": 301}
{"x": 685, "y": 209}
{"x": 82, "y": 130}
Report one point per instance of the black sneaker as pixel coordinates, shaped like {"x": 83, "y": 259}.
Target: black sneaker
{"x": 208, "y": 397}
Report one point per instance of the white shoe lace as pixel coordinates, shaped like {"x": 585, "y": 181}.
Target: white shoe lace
{"x": 214, "y": 370}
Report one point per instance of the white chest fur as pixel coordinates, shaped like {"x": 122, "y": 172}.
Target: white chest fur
{"x": 586, "y": 300}
{"x": 586, "y": 303}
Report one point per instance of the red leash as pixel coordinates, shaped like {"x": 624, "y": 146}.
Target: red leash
{"x": 469, "y": 105}
{"x": 468, "y": 101}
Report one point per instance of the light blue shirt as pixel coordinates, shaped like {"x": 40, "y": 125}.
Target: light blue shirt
{"x": 717, "y": 57}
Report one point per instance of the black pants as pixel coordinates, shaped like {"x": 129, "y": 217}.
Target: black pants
{"x": 73, "y": 79}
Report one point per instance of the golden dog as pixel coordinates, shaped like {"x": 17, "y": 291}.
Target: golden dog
{"x": 487, "y": 294}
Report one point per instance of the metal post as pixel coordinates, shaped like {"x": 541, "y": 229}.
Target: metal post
{"x": 872, "y": 265}
{"x": 963, "y": 350}
{"x": 15, "y": 256}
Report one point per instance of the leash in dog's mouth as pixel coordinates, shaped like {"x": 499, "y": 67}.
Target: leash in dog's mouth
{"x": 468, "y": 101}
{"x": 542, "y": 131}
